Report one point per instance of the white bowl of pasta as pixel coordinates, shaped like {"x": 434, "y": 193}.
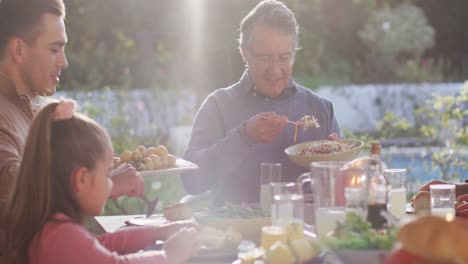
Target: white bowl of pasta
{"x": 324, "y": 150}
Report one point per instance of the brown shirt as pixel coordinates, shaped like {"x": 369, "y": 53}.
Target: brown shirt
{"x": 16, "y": 114}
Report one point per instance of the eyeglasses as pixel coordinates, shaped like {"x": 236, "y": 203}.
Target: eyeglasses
{"x": 285, "y": 59}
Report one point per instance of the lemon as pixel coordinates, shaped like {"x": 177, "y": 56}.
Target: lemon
{"x": 303, "y": 250}
{"x": 272, "y": 234}
{"x": 279, "y": 253}
{"x": 295, "y": 231}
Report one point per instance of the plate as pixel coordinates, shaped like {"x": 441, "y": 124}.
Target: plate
{"x": 155, "y": 220}
{"x": 304, "y": 160}
{"x": 362, "y": 256}
{"x": 215, "y": 254}
{"x": 409, "y": 209}
{"x": 181, "y": 165}
{"x": 250, "y": 228}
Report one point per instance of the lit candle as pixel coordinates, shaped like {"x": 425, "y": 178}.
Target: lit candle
{"x": 354, "y": 195}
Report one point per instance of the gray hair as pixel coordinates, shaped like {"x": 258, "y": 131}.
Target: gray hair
{"x": 270, "y": 13}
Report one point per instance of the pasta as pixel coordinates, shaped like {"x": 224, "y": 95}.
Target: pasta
{"x": 326, "y": 147}
{"x": 305, "y": 123}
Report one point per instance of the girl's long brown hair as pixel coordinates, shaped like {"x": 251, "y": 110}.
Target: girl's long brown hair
{"x": 53, "y": 150}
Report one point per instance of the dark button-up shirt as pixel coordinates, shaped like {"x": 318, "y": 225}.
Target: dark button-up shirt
{"x": 229, "y": 162}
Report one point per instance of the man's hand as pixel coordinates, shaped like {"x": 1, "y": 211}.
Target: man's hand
{"x": 460, "y": 188}
{"x": 461, "y": 192}
{"x": 462, "y": 205}
{"x": 126, "y": 181}
{"x": 333, "y": 137}
{"x": 265, "y": 127}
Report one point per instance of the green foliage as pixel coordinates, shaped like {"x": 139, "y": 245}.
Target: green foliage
{"x": 427, "y": 70}
{"x": 445, "y": 116}
{"x": 155, "y": 44}
{"x": 356, "y": 233}
{"x": 440, "y": 118}
{"x": 402, "y": 29}
{"x": 391, "y": 126}
{"x": 167, "y": 188}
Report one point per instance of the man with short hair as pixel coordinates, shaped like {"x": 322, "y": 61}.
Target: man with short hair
{"x": 32, "y": 56}
{"x": 238, "y": 127}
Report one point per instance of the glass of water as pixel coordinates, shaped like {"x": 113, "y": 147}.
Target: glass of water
{"x": 269, "y": 172}
{"x": 443, "y": 200}
{"x": 397, "y": 179}
{"x": 287, "y": 210}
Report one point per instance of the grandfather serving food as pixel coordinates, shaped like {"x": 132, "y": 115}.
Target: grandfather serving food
{"x": 326, "y": 147}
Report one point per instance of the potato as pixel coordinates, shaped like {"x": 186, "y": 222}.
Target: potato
{"x": 126, "y": 156}
{"x": 136, "y": 155}
{"x": 148, "y": 163}
{"x": 157, "y": 163}
{"x": 171, "y": 160}
{"x": 142, "y": 150}
{"x": 161, "y": 151}
{"x": 151, "y": 151}
{"x": 141, "y": 167}
{"x": 117, "y": 162}
{"x": 165, "y": 162}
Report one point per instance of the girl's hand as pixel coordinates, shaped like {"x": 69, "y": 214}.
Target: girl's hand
{"x": 182, "y": 245}
{"x": 126, "y": 181}
{"x": 169, "y": 229}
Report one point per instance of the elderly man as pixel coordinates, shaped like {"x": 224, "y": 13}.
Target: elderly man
{"x": 32, "y": 56}
{"x": 241, "y": 126}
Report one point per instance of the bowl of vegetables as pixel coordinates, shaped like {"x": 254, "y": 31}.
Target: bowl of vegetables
{"x": 355, "y": 241}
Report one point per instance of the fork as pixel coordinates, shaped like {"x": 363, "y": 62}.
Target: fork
{"x": 288, "y": 121}
{"x": 150, "y": 205}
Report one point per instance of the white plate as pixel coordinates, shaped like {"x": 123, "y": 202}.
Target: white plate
{"x": 409, "y": 209}
{"x": 181, "y": 165}
{"x": 154, "y": 220}
{"x": 362, "y": 256}
{"x": 215, "y": 254}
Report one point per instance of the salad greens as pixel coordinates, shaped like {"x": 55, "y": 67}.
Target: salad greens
{"x": 230, "y": 210}
{"x": 357, "y": 233}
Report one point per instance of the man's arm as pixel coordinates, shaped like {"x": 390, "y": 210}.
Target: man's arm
{"x": 213, "y": 149}
{"x": 10, "y": 160}
{"x": 335, "y": 127}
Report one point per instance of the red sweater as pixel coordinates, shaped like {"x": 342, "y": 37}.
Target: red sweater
{"x": 64, "y": 241}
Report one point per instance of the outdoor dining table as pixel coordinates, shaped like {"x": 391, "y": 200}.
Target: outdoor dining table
{"x": 113, "y": 223}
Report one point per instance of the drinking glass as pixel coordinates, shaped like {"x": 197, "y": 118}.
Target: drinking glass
{"x": 327, "y": 184}
{"x": 269, "y": 172}
{"x": 443, "y": 200}
{"x": 287, "y": 210}
{"x": 397, "y": 179}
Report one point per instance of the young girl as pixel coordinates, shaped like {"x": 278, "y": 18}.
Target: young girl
{"x": 65, "y": 176}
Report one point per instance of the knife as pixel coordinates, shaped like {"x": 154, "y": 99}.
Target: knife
{"x": 150, "y": 205}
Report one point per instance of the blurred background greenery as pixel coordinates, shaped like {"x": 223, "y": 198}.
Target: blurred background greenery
{"x": 192, "y": 43}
